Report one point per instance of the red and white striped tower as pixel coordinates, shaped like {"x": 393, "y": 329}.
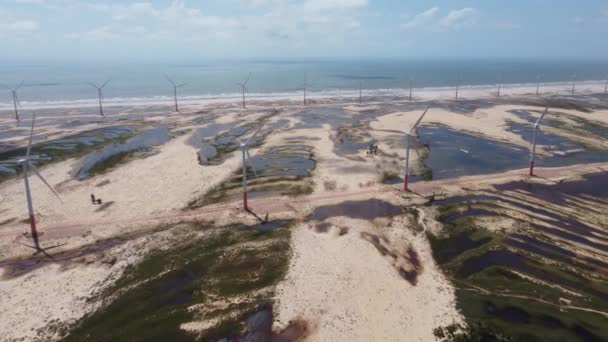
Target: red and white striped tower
{"x": 27, "y": 166}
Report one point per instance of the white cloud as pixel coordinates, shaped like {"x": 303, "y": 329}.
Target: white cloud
{"x": 273, "y": 22}
{"x": 578, "y": 20}
{"x": 460, "y": 18}
{"x": 98, "y": 34}
{"x": 35, "y": 2}
{"x": 318, "y": 5}
{"x": 23, "y": 26}
{"x": 17, "y": 28}
{"x": 421, "y": 19}
{"x": 122, "y": 12}
{"x": 432, "y": 20}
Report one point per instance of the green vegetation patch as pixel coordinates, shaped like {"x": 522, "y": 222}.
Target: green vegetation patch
{"x": 151, "y": 299}
{"x": 509, "y": 293}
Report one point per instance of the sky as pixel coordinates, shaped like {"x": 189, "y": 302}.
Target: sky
{"x": 189, "y": 30}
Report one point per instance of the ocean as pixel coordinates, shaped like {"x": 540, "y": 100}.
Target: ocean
{"x": 56, "y": 84}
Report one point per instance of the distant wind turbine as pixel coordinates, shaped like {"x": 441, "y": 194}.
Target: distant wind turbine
{"x": 499, "y": 85}
{"x": 244, "y": 88}
{"x": 537, "y": 85}
{"x": 457, "y": 86}
{"x": 360, "y": 91}
{"x": 411, "y": 85}
{"x": 175, "y": 87}
{"x": 247, "y": 160}
{"x": 27, "y": 165}
{"x": 306, "y": 85}
{"x": 533, "y": 150}
{"x": 573, "y": 83}
{"x": 606, "y": 86}
{"x": 16, "y": 102}
{"x": 100, "y": 93}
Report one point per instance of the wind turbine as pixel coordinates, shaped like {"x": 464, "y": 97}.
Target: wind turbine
{"x": 100, "y": 93}
{"x": 533, "y": 151}
{"x": 537, "y": 85}
{"x": 407, "y": 149}
{"x": 573, "y": 82}
{"x": 247, "y": 159}
{"x": 411, "y": 84}
{"x": 27, "y": 164}
{"x": 306, "y": 85}
{"x": 408, "y": 134}
{"x": 457, "y": 87}
{"x": 175, "y": 87}
{"x": 606, "y": 86}
{"x": 16, "y": 102}
{"x": 244, "y": 88}
{"x": 499, "y": 85}
{"x": 360, "y": 91}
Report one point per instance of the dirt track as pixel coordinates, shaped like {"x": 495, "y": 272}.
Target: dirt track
{"x": 294, "y": 207}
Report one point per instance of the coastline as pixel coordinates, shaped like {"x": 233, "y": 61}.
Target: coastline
{"x": 419, "y": 93}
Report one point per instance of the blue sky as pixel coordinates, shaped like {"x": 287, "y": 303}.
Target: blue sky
{"x": 188, "y": 30}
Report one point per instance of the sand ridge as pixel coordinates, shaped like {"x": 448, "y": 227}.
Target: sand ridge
{"x": 338, "y": 281}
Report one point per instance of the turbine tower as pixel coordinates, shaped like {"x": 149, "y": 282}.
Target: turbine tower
{"x": 408, "y": 134}
{"x": 411, "y": 84}
{"x": 306, "y": 85}
{"x": 360, "y": 91}
{"x": 457, "y": 86}
{"x": 533, "y": 150}
{"x": 175, "y": 87}
{"x": 537, "y": 85}
{"x": 244, "y": 88}
{"x": 247, "y": 160}
{"x": 573, "y": 83}
{"x": 27, "y": 165}
{"x": 407, "y": 149}
{"x": 499, "y": 85}
{"x": 100, "y": 93}
{"x": 16, "y": 102}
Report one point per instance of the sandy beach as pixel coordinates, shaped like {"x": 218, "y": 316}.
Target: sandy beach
{"x": 350, "y": 276}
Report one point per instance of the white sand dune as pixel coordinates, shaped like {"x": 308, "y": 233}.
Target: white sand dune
{"x": 341, "y": 284}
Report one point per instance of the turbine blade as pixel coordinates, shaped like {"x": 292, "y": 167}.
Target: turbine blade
{"x": 419, "y": 119}
{"x": 169, "y": 79}
{"x": 254, "y": 134}
{"x": 247, "y": 79}
{"x": 250, "y": 163}
{"x": 20, "y": 85}
{"x": 106, "y": 82}
{"x": 182, "y": 85}
{"x": 35, "y": 169}
{"x": 29, "y": 145}
{"x": 93, "y": 85}
{"x": 542, "y": 116}
{"x": 390, "y": 131}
